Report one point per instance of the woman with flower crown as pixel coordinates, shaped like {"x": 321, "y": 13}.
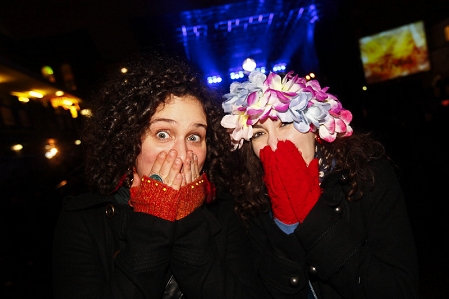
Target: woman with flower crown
{"x": 159, "y": 221}
{"x": 323, "y": 207}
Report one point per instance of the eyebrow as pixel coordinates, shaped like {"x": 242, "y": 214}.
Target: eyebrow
{"x": 172, "y": 121}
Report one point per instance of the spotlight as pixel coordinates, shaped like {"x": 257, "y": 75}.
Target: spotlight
{"x": 236, "y": 75}
{"x": 214, "y": 79}
{"x": 249, "y": 65}
{"x": 279, "y": 67}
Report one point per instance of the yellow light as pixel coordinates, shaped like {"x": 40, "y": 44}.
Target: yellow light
{"x": 73, "y": 112}
{"x": 312, "y": 75}
{"x": 50, "y": 148}
{"x": 77, "y": 142}
{"x": 307, "y": 77}
{"x": 66, "y": 103}
{"x": 19, "y": 94}
{"x": 24, "y": 99}
{"x": 27, "y": 94}
{"x": 364, "y": 88}
{"x": 59, "y": 93}
{"x": 16, "y": 147}
{"x": 61, "y": 184}
{"x": 124, "y": 70}
{"x": 35, "y": 94}
{"x": 86, "y": 112}
{"x": 49, "y": 155}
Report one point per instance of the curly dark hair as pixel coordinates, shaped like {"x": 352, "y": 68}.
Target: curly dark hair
{"x": 351, "y": 154}
{"x": 122, "y": 107}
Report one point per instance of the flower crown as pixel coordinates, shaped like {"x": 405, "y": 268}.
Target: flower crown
{"x": 290, "y": 99}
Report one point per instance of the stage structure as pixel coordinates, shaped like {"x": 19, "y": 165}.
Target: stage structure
{"x": 275, "y": 34}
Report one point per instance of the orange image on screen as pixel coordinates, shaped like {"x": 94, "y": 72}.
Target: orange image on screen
{"x": 395, "y": 53}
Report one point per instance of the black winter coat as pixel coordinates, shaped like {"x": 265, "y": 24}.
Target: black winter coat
{"x": 102, "y": 249}
{"x": 361, "y": 249}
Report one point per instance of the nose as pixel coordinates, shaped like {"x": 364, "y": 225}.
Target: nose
{"x": 272, "y": 139}
{"x": 181, "y": 147}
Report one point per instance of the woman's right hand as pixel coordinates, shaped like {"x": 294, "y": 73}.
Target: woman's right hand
{"x": 168, "y": 167}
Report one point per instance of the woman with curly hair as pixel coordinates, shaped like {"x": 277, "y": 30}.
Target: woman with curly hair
{"x": 323, "y": 206}
{"x": 159, "y": 221}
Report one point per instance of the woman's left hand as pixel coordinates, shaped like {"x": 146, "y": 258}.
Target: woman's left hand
{"x": 190, "y": 169}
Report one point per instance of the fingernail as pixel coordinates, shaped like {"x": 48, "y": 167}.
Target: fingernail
{"x": 163, "y": 154}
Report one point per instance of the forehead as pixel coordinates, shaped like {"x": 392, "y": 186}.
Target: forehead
{"x": 181, "y": 109}
{"x": 267, "y": 123}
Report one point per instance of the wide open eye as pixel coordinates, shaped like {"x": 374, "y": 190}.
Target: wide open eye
{"x": 194, "y": 138}
{"x": 162, "y": 135}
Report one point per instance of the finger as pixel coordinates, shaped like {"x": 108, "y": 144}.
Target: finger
{"x": 160, "y": 159}
{"x": 167, "y": 165}
{"x": 183, "y": 179}
{"x": 174, "y": 171}
{"x": 195, "y": 168}
{"x": 187, "y": 168}
{"x": 177, "y": 181}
